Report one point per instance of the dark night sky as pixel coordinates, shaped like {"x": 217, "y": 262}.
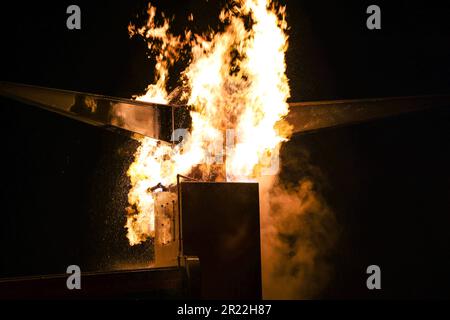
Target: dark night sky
{"x": 332, "y": 55}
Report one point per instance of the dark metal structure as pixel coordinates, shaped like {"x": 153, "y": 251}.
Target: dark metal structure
{"x": 220, "y": 225}
{"x": 219, "y": 255}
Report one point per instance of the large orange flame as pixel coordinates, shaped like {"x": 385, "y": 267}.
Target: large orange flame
{"x": 237, "y": 88}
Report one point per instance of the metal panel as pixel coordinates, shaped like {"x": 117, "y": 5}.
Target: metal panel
{"x": 220, "y": 225}
{"x": 148, "y": 119}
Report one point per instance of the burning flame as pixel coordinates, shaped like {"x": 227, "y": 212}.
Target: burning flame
{"x": 237, "y": 89}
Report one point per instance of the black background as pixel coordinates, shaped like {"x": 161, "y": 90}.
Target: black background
{"x": 388, "y": 181}
{"x": 332, "y": 54}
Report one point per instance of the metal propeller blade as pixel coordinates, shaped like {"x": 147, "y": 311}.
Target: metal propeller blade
{"x": 148, "y": 119}
{"x": 158, "y": 121}
{"x": 311, "y": 116}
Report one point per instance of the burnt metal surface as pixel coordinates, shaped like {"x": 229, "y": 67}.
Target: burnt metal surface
{"x": 220, "y": 225}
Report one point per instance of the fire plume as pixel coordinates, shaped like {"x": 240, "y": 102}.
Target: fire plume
{"x": 237, "y": 88}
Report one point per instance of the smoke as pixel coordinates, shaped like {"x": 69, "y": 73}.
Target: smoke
{"x": 298, "y": 232}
